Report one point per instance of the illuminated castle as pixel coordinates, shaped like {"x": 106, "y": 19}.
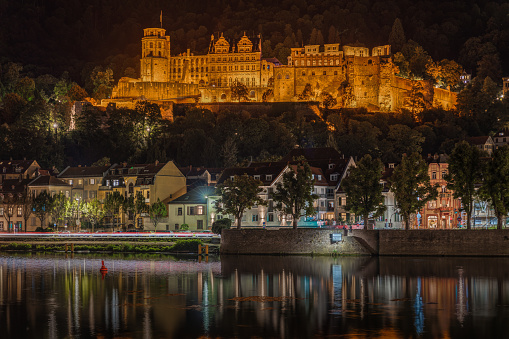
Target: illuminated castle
{"x": 356, "y": 76}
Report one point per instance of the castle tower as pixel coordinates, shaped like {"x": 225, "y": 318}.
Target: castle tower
{"x": 155, "y": 53}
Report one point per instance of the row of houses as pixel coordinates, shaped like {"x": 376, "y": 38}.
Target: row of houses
{"x": 190, "y": 192}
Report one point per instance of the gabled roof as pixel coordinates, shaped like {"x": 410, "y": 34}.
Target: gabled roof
{"x": 190, "y": 171}
{"x": 13, "y": 186}
{"x": 262, "y": 171}
{"x": 48, "y": 180}
{"x": 16, "y": 166}
{"x": 196, "y": 196}
{"x": 502, "y": 133}
{"x": 479, "y": 140}
{"x": 437, "y": 158}
{"x": 78, "y": 172}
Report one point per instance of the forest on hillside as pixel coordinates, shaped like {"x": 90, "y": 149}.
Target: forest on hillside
{"x": 72, "y": 36}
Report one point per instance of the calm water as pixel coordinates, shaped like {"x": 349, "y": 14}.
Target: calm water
{"x": 51, "y": 296}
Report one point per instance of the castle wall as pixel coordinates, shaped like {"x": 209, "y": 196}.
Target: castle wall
{"x": 444, "y": 98}
{"x": 155, "y": 90}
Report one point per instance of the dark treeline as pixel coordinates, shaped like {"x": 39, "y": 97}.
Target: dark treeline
{"x": 53, "y": 37}
{"x": 36, "y": 122}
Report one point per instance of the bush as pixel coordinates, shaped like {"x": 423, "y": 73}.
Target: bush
{"x": 184, "y": 227}
{"x": 186, "y": 245}
{"x": 222, "y": 224}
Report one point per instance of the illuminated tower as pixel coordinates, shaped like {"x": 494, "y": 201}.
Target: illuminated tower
{"x": 155, "y": 53}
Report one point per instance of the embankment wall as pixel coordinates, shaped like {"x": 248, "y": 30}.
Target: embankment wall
{"x": 368, "y": 242}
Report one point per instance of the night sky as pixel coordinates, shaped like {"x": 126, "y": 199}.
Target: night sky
{"x": 75, "y": 36}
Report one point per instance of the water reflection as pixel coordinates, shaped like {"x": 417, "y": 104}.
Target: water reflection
{"x": 159, "y": 296}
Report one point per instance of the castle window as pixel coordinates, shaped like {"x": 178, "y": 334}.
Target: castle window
{"x": 319, "y": 62}
{"x": 224, "y": 68}
{"x": 296, "y": 62}
{"x": 303, "y": 73}
{"x": 279, "y": 76}
{"x": 252, "y": 94}
{"x": 335, "y": 72}
{"x": 223, "y": 96}
{"x": 370, "y": 62}
{"x": 314, "y": 62}
{"x": 309, "y": 63}
{"x": 287, "y": 76}
{"x": 365, "y": 94}
{"x": 312, "y": 73}
{"x": 213, "y": 68}
{"x": 151, "y": 45}
{"x": 337, "y": 61}
{"x": 324, "y": 72}
{"x": 241, "y": 67}
{"x": 253, "y": 82}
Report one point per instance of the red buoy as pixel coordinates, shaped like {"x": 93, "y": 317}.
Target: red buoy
{"x": 103, "y": 269}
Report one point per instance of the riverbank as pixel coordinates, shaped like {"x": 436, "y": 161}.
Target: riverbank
{"x": 114, "y": 246}
{"x": 366, "y": 242}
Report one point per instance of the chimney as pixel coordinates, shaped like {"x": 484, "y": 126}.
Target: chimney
{"x": 157, "y": 162}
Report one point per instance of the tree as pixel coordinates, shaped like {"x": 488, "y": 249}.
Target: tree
{"x": 58, "y": 208}
{"x": 25, "y": 202}
{"x": 41, "y": 205}
{"x": 306, "y": 93}
{"x": 135, "y": 206}
{"x": 411, "y": 185}
{"x": 239, "y": 91}
{"x": 157, "y": 211}
{"x": 363, "y": 189}
{"x": 268, "y": 95}
{"x": 93, "y": 212}
{"x": 495, "y": 186}
{"x": 237, "y": 195}
{"x": 328, "y": 100}
{"x": 112, "y": 206}
{"x": 222, "y": 224}
{"x": 102, "y": 82}
{"x": 9, "y": 203}
{"x": 415, "y": 100}
{"x": 397, "y": 36}
{"x": 294, "y": 194}
{"x": 465, "y": 171}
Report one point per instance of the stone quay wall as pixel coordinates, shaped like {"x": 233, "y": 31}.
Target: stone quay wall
{"x": 367, "y": 242}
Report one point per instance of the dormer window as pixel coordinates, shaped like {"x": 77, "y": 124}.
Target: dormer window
{"x": 334, "y": 177}
{"x": 232, "y": 177}
{"x": 268, "y": 177}
{"x": 257, "y": 177}
{"x": 319, "y": 177}
{"x": 331, "y": 166}
{"x": 391, "y": 165}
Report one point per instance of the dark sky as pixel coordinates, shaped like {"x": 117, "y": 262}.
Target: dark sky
{"x": 72, "y": 35}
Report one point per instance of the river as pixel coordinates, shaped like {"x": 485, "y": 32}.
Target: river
{"x": 160, "y": 296}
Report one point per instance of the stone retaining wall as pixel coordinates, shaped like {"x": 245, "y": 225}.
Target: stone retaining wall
{"x": 365, "y": 242}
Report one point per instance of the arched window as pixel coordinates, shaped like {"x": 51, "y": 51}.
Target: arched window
{"x": 252, "y": 94}
{"x": 287, "y": 76}
{"x": 131, "y": 188}
{"x": 279, "y": 76}
{"x": 223, "y": 96}
{"x": 151, "y": 45}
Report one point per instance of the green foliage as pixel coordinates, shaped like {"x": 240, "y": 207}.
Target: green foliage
{"x": 41, "y": 206}
{"x": 294, "y": 194}
{"x": 465, "y": 172}
{"x": 363, "y": 189}
{"x": 184, "y": 227}
{"x": 495, "y": 186}
{"x": 238, "y": 195}
{"x": 239, "y": 91}
{"x": 397, "y": 36}
{"x": 222, "y": 224}
{"x": 411, "y": 185}
{"x": 157, "y": 212}
{"x": 186, "y": 245}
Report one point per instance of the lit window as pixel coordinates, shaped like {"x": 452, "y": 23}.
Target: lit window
{"x": 199, "y": 210}
{"x": 92, "y": 181}
{"x": 255, "y": 217}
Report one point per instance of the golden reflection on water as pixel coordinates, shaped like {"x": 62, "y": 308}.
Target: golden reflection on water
{"x": 156, "y": 296}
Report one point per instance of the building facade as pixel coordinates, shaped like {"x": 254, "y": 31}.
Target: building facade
{"x": 356, "y": 76}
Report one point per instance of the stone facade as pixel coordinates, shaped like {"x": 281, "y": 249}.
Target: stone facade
{"x": 364, "y": 242}
{"x": 356, "y": 76}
